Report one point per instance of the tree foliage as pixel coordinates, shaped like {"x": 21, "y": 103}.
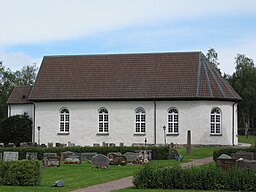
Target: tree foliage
{"x": 212, "y": 56}
{"x": 244, "y": 82}
{"x": 16, "y": 129}
{"x": 9, "y": 79}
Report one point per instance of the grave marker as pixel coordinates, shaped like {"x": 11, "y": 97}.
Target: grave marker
{"x": 131, "y": 157}
{"x": 31, "y": 156}
{"x": 87, "y": 156}
{"x": 11, "y": 156}
{"x": 100, "y": 161}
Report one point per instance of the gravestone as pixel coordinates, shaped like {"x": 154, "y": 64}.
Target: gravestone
{"x": 225, "y": 162}
{"x": 50, "y": 144}
{"x": 72, "y": 159}
{"x": 246, "y": 164}
{"x": 188, "y": 146}
{"x": 112, "y": 144}
{"x": 51, "y": 161}
{"x": 87, "y": 156}
{"x": 11, "y": 145}
{"x": 11, "y": 156}
{"x": 173, "y": 154}
{"x": 117, "y": 159}
{"x": 58, "y": 184}
{"x": 121, "y": 144}
{"x": 1, "y": 144}
{"x": 66, "y": 154}
{"x": 131, "y": 157}
{"x": 100, "y": 161}
{"x": 31, "y": 156}
{"x": 96, "y": 144}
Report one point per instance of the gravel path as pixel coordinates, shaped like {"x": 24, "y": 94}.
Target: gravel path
{"x": 127, "y": 181}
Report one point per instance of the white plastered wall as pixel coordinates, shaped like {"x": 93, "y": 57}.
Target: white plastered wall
{"x": 193, "y": 116}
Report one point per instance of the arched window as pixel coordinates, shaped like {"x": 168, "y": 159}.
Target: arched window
{"x": 215, "y": 121}
{"x": 64, "y": 120}
{"x": 140, "y": 120}
{"x": 173, "y": 121}
{"x": 103, "y": 120}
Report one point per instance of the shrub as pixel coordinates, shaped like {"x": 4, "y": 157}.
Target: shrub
{"x": 207, "y": 177}
{"x": 23, "y": 173}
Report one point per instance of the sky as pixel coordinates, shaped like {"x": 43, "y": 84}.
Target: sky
{"x": 32, "y": 29}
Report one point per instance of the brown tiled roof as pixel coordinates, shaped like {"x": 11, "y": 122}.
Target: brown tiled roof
{"x": 20, "y": 95}
{"x": 130, "y": 76}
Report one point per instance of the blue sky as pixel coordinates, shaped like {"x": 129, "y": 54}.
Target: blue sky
{"x": 33, "y": 29}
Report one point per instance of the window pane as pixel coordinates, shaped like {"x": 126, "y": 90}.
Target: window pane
{"x": 137, "y": 127}
{"x": 176, "y": 127}
{"x": 67, "y": 117}
{"x": 61, "y": 126}
{"x": 105, "y": 117}
{"x": 212, "y": 128}
{"x": 217, "y": 118}
{"x": 212, "y": 118}
{"x": 143, "y": 126}
{"x": 105, "y": 127}
{"x": 175, "y": 118}
{"x": 137, "y": 118}
{"x": 143, "y": 118}
{"x": 66, "y": 126}
{"x": 100, "y": 127}
{"x": 61, "y": 117}
{"x": 100, "y": 117}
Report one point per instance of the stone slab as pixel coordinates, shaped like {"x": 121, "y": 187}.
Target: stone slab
{"x": 10, "y": 156}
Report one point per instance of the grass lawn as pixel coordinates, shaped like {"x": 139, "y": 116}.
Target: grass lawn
{"x": 80, "y": 176}
{"x": 250, "y": 139}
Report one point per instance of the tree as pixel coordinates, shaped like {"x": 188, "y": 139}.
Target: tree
{"x": 212, "y": 56}
{"x": 16, "y": 129}
{"x": 8, "y": 80}
{"x": 244, "y": 82}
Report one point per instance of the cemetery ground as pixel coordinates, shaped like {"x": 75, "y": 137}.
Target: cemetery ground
{"x": 77, "y": 176}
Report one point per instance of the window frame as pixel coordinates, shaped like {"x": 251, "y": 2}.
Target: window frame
{"x": 140, "y": 121}
{"x": 215, "y": 121}
{"x": 103, "y": 121}
{"x": 64, "y": 121}
{"x": 172, "y": 121}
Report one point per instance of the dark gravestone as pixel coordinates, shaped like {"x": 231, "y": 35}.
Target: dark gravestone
{"x": 50, "y": 155}
{"x": 188, "y": 146}
{"x": 173, "y": 154}
{"x": 100, "y": 161}
{"x": 87, "y": 156}
{"x": 246, "y": 164}
{"x": 117, "y": 159}
{"x": 225, "y": 162}
{"x": 11, "y": 156}
{"x": 131, "y": 157}
{"x": 66, "y": 154}
{"x": 31, "y": 156}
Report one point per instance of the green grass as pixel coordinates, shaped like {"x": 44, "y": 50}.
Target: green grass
{"x": 197, "y": 153}
{"x": 250, "y": 139}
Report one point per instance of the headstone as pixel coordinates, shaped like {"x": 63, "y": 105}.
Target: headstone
{"x": 31, "y": 156}
{"x": 188, "y": 147}
{"x": 72, "y": 159}
{"x": 117, "y": 159}
{"x": 246, "y": 164}
{"x": 104, "y": 144}
{"x": 66, "y": 154}
{"x": 131, "y": 157}
{"x": 24, "y": 144}
{"x": 224, "y": 156}
{"x": 50, "y": 161}
{"x": 173, "y": 154}
{"x": 87, "y": 156}
{"x": 121, "y": 144}
{"x": 225, "y": 162}
{"x": 1, "y": 144}
{"x": 112, "y": 144}
{"x": 58, "y": 184}
{"x": 11, "y": 145}
{"x": 58, "y": 144}
{"x": 11, "y": 156}
{"x": 100, "y": 161}
{"x": 96, "y": 144}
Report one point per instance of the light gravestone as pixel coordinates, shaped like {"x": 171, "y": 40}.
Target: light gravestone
{"x": 11, "y": 156}
{"x": 100, "y": 161}
{"x": 66, "y": 154}
{"x": 31, "y": 156}
{"x": 51, "y": 160}
{"x": 131, "y": 157}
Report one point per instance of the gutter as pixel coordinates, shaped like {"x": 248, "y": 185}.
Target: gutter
{"x": 233, "y": 123}
{"x": 34, "y": 124}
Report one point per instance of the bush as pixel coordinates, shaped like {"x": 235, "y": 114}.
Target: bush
{"x": 160, "y": 152}
{"x": 22, "y": 173}
{"x": 207, "y": 177}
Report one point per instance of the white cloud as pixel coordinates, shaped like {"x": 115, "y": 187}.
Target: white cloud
{"x": 29, "y": 21}
{"x": 16, "y": 60}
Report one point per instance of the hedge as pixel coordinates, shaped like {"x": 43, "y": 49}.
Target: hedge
{"x": 160, "y": 152}
{"x": 206, "y": 177}
{"x": 22, "y": 173}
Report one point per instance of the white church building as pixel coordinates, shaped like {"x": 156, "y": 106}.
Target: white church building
{"x": 127, "y": 99}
